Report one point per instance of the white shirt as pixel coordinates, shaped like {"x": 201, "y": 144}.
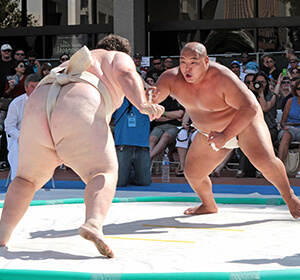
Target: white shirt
{"x": 14, "y": 116}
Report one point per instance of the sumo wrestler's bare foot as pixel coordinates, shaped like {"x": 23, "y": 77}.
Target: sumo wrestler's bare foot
{"x": 201, "y": 210}
{"x": 91, "y": 235}
{"x": 294, "y": 206}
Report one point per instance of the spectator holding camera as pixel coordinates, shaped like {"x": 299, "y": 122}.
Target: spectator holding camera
{"x": 267, "y": 101}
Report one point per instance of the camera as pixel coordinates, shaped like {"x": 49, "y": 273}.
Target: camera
{"x": 257, "y": 85}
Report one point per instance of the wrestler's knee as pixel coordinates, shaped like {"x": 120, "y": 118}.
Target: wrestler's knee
{"x": 104, "y": 178}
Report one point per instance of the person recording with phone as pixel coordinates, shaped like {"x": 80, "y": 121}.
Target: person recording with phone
{"x": 282, "y": 88}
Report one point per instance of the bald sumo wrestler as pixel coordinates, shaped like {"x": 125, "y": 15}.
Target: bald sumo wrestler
{"x": 66, "y": 120}
{"x": 228, "y": 116}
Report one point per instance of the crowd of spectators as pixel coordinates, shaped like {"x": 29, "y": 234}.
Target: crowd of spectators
{"x": 19, "y": 71}
{"x": 276, "y": 89}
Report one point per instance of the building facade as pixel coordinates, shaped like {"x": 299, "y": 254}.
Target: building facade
{"x": 154, "y": 27}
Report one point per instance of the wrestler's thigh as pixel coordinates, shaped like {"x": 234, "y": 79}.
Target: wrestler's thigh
{"x": 255, "y": 141}
{"x": 89, "y": 150}
{"x": 201, "y": 159}
{"x": 36, "y": 161}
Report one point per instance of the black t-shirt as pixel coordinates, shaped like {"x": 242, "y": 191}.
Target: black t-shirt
{"x": 5, "y": 70}
{"x": 171, "y": 104}
{"x": 155, "y": 73}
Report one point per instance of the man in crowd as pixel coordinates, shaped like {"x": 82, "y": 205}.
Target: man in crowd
{"x": 14, "y": 119}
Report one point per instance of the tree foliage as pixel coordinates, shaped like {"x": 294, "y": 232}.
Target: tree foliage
{"x": 11, "y": 15}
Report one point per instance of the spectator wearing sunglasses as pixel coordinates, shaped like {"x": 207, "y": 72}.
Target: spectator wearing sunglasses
{"x": 33, "y": 66}
{"x": 19, "y": 54}
{"x": 282, "y": 89}
{"x": 6, "y": 65}
{"x": 235, "y": 67}
{"x": 273, "y": 71}
{"x": 294, "y": 72}
{"x": 290, "y": 116}
{"x": 157, "y": 70}
{"x": 15, "y": 82}
{"x": 245, "y": 59}
{"x": 294, "y": 62}
{"x": 64, "y": 57}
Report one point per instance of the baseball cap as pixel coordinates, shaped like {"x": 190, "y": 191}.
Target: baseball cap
{"x": 136, "y": 55}
{"x": 251, "y": 67}
{"x": 6, "y": 47}
{"x": 235, "y": 62}
{"x": 293, "y": 57}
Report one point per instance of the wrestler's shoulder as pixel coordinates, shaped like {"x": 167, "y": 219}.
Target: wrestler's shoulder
{"x": 172, "y": 73}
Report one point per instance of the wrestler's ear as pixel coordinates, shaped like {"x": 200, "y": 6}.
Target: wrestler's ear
{"x": 206, "y": 59}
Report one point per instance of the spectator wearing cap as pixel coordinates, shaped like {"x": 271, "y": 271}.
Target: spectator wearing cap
{"x": 251, "y": 67}
{"x": 137, "y": 58}
{"x": 294, "y": 62}
{"x": 6, "y": 66}
{"x": 236, "y": 69}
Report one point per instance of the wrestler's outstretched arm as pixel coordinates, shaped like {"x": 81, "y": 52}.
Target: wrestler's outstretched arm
{"x": 132, "y": 86}
{"x": 161, "y": 90}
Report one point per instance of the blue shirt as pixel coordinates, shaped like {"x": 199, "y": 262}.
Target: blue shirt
{"x": 131, "y": 127}
{"x": 294, "y": 114}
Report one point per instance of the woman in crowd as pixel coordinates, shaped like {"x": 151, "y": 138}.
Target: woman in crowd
{"x": 273, "y": 72}
{"x": 45, "y": 69}
{"x": 15, "y": 82}
{"x": 290, "y": 123}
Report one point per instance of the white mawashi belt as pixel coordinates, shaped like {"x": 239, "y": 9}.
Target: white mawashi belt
{"x": 74, "y": 73}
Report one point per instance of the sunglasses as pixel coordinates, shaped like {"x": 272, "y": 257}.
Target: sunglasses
{"x": 31, "y": 60}
{"x": 20, "y": 54}
{"x": 21, "y": 65}
{"x": 298, "y": 88}
{"x": 285, "y": 82}
{"x": 156, "y": 63}
{"x": 64, "y": 59}
{"x": 270, "y": 61}
{"x": 295, "y": 72}
{"x": 7, "y": 51}
{"x": 295, "y": 61}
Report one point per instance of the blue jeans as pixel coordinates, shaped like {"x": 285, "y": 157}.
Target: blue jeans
{"x": 134, "y": 166}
